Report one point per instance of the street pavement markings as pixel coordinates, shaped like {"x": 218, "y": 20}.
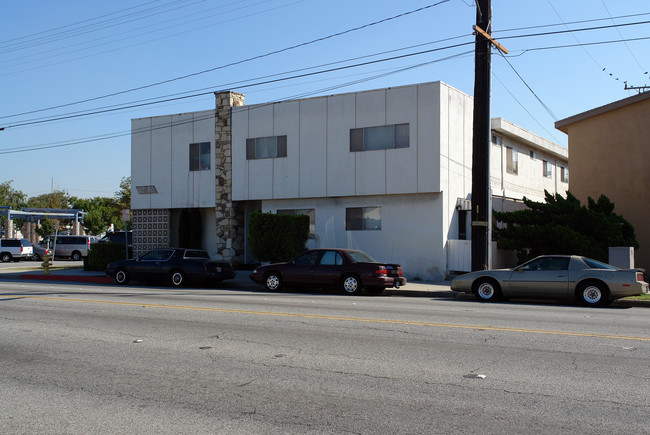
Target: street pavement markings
{"x": 324, "y": 317}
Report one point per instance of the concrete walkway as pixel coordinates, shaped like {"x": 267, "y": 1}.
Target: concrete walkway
{"x": 72, "y": 272}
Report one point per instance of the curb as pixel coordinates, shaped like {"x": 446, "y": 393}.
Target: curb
{"x": 73, "y": 278}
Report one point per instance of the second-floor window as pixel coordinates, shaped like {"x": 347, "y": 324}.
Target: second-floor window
{"x": 512, "y": 161}
{"x": 385, "y": 137}
{"x": 200, "y": 156}
{"x": 268, "y": 147}
{"x": 548, "y": 171}
{"x": 564, "y": 175}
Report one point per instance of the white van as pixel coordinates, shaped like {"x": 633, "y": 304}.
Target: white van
{"x": 73, "y": 247}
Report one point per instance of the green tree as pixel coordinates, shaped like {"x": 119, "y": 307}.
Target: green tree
{"x": 10, "y": 197}
{"x": 564, "y": 226}
{"x": 46, "y": 228}
{"x": 58, "y": 199}
{"x": 123, "y": 201}
{"x": 100, "y": 212}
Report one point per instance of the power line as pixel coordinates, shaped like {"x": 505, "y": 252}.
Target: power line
{"x": 88, "y": 28}
{"x": 108, "y": 136}
{"x": 191, "y": 28}
{"x": 621, "y": 35}
{"x": 239, "y": 62}
{"x": 99, "y": 111}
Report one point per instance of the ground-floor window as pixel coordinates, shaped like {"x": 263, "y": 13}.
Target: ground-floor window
{"x": 362, "y": 218}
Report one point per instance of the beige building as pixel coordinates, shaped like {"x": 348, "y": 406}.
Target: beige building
{"x": 609, "y": 155}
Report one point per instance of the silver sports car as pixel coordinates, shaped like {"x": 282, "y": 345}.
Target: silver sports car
{"x": 555, "y": 277}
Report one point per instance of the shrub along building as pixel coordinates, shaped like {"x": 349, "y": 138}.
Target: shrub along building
{"x": 387, "y": 171}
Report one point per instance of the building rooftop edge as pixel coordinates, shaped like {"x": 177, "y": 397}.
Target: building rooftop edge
{"x": 563, "y": 123}
{"x": 508, "y": 128}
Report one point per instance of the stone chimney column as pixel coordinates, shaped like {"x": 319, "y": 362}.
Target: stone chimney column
{"x": 229, "y": 215}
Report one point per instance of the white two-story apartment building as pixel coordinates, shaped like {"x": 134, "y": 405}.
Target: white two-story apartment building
{"x": 387, "y": 171}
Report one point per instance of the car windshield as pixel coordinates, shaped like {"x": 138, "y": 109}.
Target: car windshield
{"x": 361, "y": 257}
{"x": 593, "y": 264}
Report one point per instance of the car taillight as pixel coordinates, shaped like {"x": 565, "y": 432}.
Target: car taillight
{"x": 381, "y": 272}
{"x": 639, "y": 276}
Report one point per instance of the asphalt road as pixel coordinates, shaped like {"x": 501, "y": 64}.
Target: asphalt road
{"x": 104, "y": 359}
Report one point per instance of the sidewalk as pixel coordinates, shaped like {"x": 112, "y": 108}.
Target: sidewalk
{"x": 71, "y": 273}
{"x": 63, "y": 272}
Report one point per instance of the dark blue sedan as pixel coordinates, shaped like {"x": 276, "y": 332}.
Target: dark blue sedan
{"x": 175, "y": 266}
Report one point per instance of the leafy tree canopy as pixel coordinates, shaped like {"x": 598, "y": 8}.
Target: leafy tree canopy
{"x": 10, "y": 196}
{"x": 564, "y": 226}
{"x": 57, "y": 199}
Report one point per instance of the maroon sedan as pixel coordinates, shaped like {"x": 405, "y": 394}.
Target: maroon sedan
{"x": 347, "y": 269}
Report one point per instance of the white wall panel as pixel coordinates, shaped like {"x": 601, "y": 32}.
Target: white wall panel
{"x": 182, "y": 179}
{"x": 240, "y": 166}
{"x": 140, "y": 159}
{"x": 161, "y": 161}
{"x": 286, "y": 121}
{"x": 312, "y": 178}
{"x": 370, "y": 108}
{"x": 430, "y": 137}
{"x": 402, "y": 108}
{"x": 340, "y": 161}
{"x": 260, "y": 179}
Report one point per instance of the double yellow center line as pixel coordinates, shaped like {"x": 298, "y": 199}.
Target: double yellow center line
{"x": 327, "y": 317}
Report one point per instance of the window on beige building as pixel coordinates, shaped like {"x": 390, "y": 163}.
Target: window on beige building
{"x": 564, "y": 174}
{"x": 512, "y": 161}
{"x": 548, "y": 170}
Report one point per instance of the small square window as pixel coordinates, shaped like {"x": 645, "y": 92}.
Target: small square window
{"x": 200, "y": 156}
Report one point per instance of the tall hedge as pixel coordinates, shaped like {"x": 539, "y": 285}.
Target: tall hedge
{"x": 274, "y": 238}
{"x": 564, "y": 226}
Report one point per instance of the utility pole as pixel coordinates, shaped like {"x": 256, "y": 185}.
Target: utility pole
{"x": 481, "y": 138}
{"x": 481, "y": 204}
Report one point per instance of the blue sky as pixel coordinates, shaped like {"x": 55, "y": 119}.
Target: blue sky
{"x": 59, "y": 53}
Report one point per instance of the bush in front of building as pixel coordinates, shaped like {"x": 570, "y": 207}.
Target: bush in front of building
{"x": 100, "y": 254}
{"x": 274, "y": 238}
{"x": 564, "y": 226}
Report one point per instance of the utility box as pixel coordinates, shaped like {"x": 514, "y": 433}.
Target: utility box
{"x": 622, "y": 257}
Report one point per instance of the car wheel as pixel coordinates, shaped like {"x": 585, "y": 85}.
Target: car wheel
{"x": 76, "y": 256}
{"x": 593, "y": 294}
{"x": 375, "y": 290}
{"x": 272, "y": 281}
{"x": 177, "y": 278}
{"x": 487, "y": 290}
{"x": 351, "y": 285}
{"x": 5, "y": 257}
{"x": 37, "y": 257}
{"x": 121, "y": 277}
